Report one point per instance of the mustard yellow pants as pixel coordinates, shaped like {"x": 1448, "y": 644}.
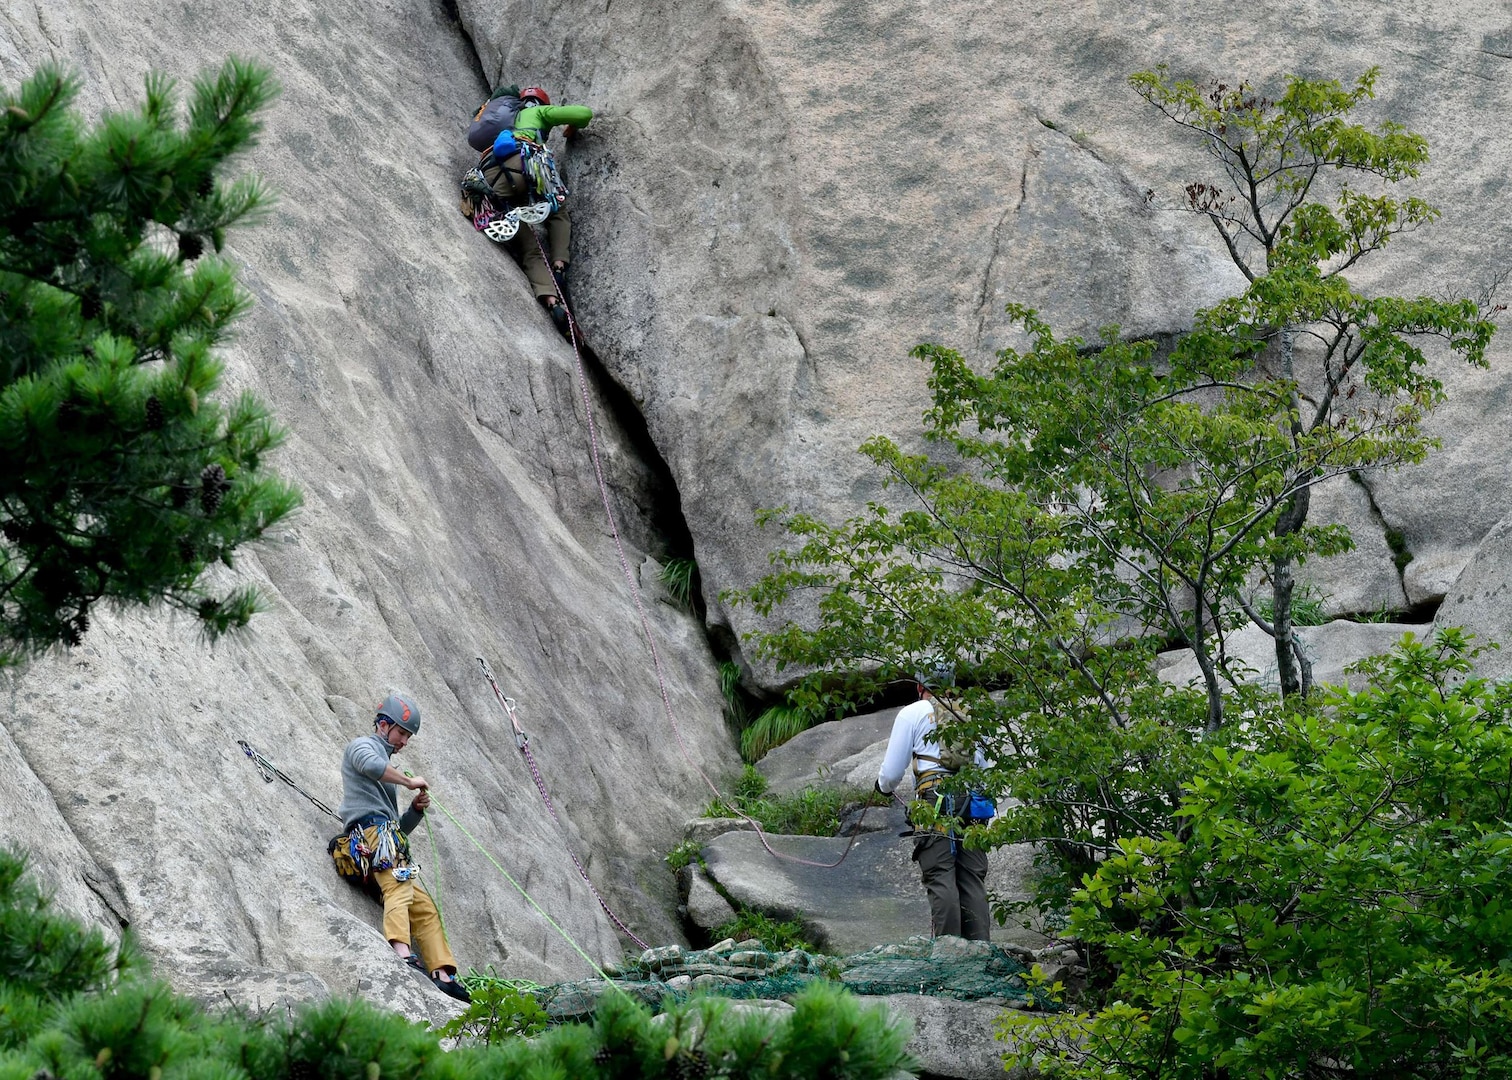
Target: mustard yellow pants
{"x": 410, "y": 916}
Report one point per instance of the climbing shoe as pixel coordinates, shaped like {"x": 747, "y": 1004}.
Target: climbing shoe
{"x": 413, "y": 960}
{"x": 452, "y": 988}
{"x": 559, "y": 316}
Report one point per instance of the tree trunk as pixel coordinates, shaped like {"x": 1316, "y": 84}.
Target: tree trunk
{"x": 1205, "y": 663}
{"x": 1293, "y": 670}
{"x": 1282, "y": 584}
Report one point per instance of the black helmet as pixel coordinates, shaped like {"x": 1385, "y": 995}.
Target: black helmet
{"x": 935, "y": 671}
{"x": 400, "y": 709}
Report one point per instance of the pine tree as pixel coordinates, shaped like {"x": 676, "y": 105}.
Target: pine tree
{"x": 121, "y": 478}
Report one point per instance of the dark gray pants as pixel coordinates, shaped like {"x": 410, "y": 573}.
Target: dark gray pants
{"x": 956, "y": 885}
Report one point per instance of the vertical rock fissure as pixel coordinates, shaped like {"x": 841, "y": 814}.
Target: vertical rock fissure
{"x": 1401, "y": 555}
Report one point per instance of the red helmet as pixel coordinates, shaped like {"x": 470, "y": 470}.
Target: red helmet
{"x": 535, "y": 92}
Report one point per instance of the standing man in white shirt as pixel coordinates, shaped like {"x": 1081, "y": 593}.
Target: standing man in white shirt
{"x": 954, "y": 877}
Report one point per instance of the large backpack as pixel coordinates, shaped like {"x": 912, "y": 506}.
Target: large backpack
{"x": 969, "y": 806}
{"x": 953, "y": 758}
{"x": 495, "y": 115}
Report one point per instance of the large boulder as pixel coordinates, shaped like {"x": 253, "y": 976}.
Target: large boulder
{"x": 1478, "y": 602}
{"x": 852, "y": 895}
{"x": 1331, "y": 647}
{"x": 833, "y": 754}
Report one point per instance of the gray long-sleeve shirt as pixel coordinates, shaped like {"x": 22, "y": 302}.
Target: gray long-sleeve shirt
{"x": 363, "y": 791}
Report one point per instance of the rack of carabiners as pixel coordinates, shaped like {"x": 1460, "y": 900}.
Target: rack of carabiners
{"x": 522, "y": 741}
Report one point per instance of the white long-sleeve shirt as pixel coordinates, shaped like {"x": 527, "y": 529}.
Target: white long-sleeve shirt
{"x": 913, "y": 734}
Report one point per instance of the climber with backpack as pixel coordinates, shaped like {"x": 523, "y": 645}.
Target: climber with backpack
{"x": 517, "y": 185}
{"x": 374, "y": 853}
{"x": 954, "y": 876}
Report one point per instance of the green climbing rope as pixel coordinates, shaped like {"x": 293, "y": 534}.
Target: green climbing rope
{"x": 521, "y": 890}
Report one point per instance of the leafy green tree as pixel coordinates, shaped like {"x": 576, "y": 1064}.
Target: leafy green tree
{"x": 1080, "y": 505}
{"x": 123, "y": 479}
{"x": 1338, "y": 906}
{"x": 1293, "y": 219}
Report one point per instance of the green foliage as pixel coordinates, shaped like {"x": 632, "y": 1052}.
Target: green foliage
{"x": 1288, "y": 209}
{"x": 751, "y": 785}
{"x": 684, "y": 854}
{"x": 775, "y": 935}
{"x": 729, "y": 689}
{"x": 772, "y": 728}
{"x": 125, "y": 479}
{"x": 500, "y": 1010}
{"x": 1307, "y": 607}
{"x": 45, "y": 958}
{"x": 1338, "y": 901}
{"x": 680, "y": 577}
{"x": 78, "y": 1011}
{"x": 809, "y": 812}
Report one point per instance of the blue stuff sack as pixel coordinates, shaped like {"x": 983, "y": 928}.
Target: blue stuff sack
{"x": 979, "y": 807}
{"x": 505, "y": 145}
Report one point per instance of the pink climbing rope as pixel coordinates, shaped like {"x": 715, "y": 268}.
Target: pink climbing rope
{"x": 640, "y": 609}
{"x": 523, "y": 742}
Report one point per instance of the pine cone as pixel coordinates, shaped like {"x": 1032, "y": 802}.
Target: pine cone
{"x": 213, "y": 485}
{"x": 190, "y": 247}
{"x": 178, "y": 495}
{"x": 208, "y": 609}
{"x": 691, "y": 1065}
{"x": 155, "y": 417}
{"x": 90, "y": 305}
{"x": 206, "y": 186}
{"x": 185, "y": 549}
{"x": 603, "y": 1056}
{"x": 13, "y": 530}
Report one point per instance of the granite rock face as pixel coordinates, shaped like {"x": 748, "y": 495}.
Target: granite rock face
{"x": 775, "y": 202}
{"x": 451, "y": 511}
{"x": 780, "y": 200}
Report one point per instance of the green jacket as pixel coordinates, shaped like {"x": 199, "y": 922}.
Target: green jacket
{"x": 537, "y": 121}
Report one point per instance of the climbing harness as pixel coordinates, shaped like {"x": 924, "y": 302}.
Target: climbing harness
{"x": 522, "y": 741}
{"x": 640, "y": 607}
{"x": 355, "y": 854}
{"x": 496, "y": 216}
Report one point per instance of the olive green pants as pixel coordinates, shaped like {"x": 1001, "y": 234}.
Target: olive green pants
{"x": 955, "y": 881}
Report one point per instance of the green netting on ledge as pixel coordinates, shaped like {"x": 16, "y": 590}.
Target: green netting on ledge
{"x": 943, "y": 967}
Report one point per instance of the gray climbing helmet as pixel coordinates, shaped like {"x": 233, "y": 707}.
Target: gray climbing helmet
{"x": 401, "y": 710}
{"x": 935, "y": 672}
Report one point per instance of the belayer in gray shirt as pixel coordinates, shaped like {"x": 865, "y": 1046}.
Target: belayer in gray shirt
{"x": 378, "y": 838}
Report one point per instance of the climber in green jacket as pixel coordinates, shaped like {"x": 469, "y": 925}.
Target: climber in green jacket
{"x": 512, "y": 179}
